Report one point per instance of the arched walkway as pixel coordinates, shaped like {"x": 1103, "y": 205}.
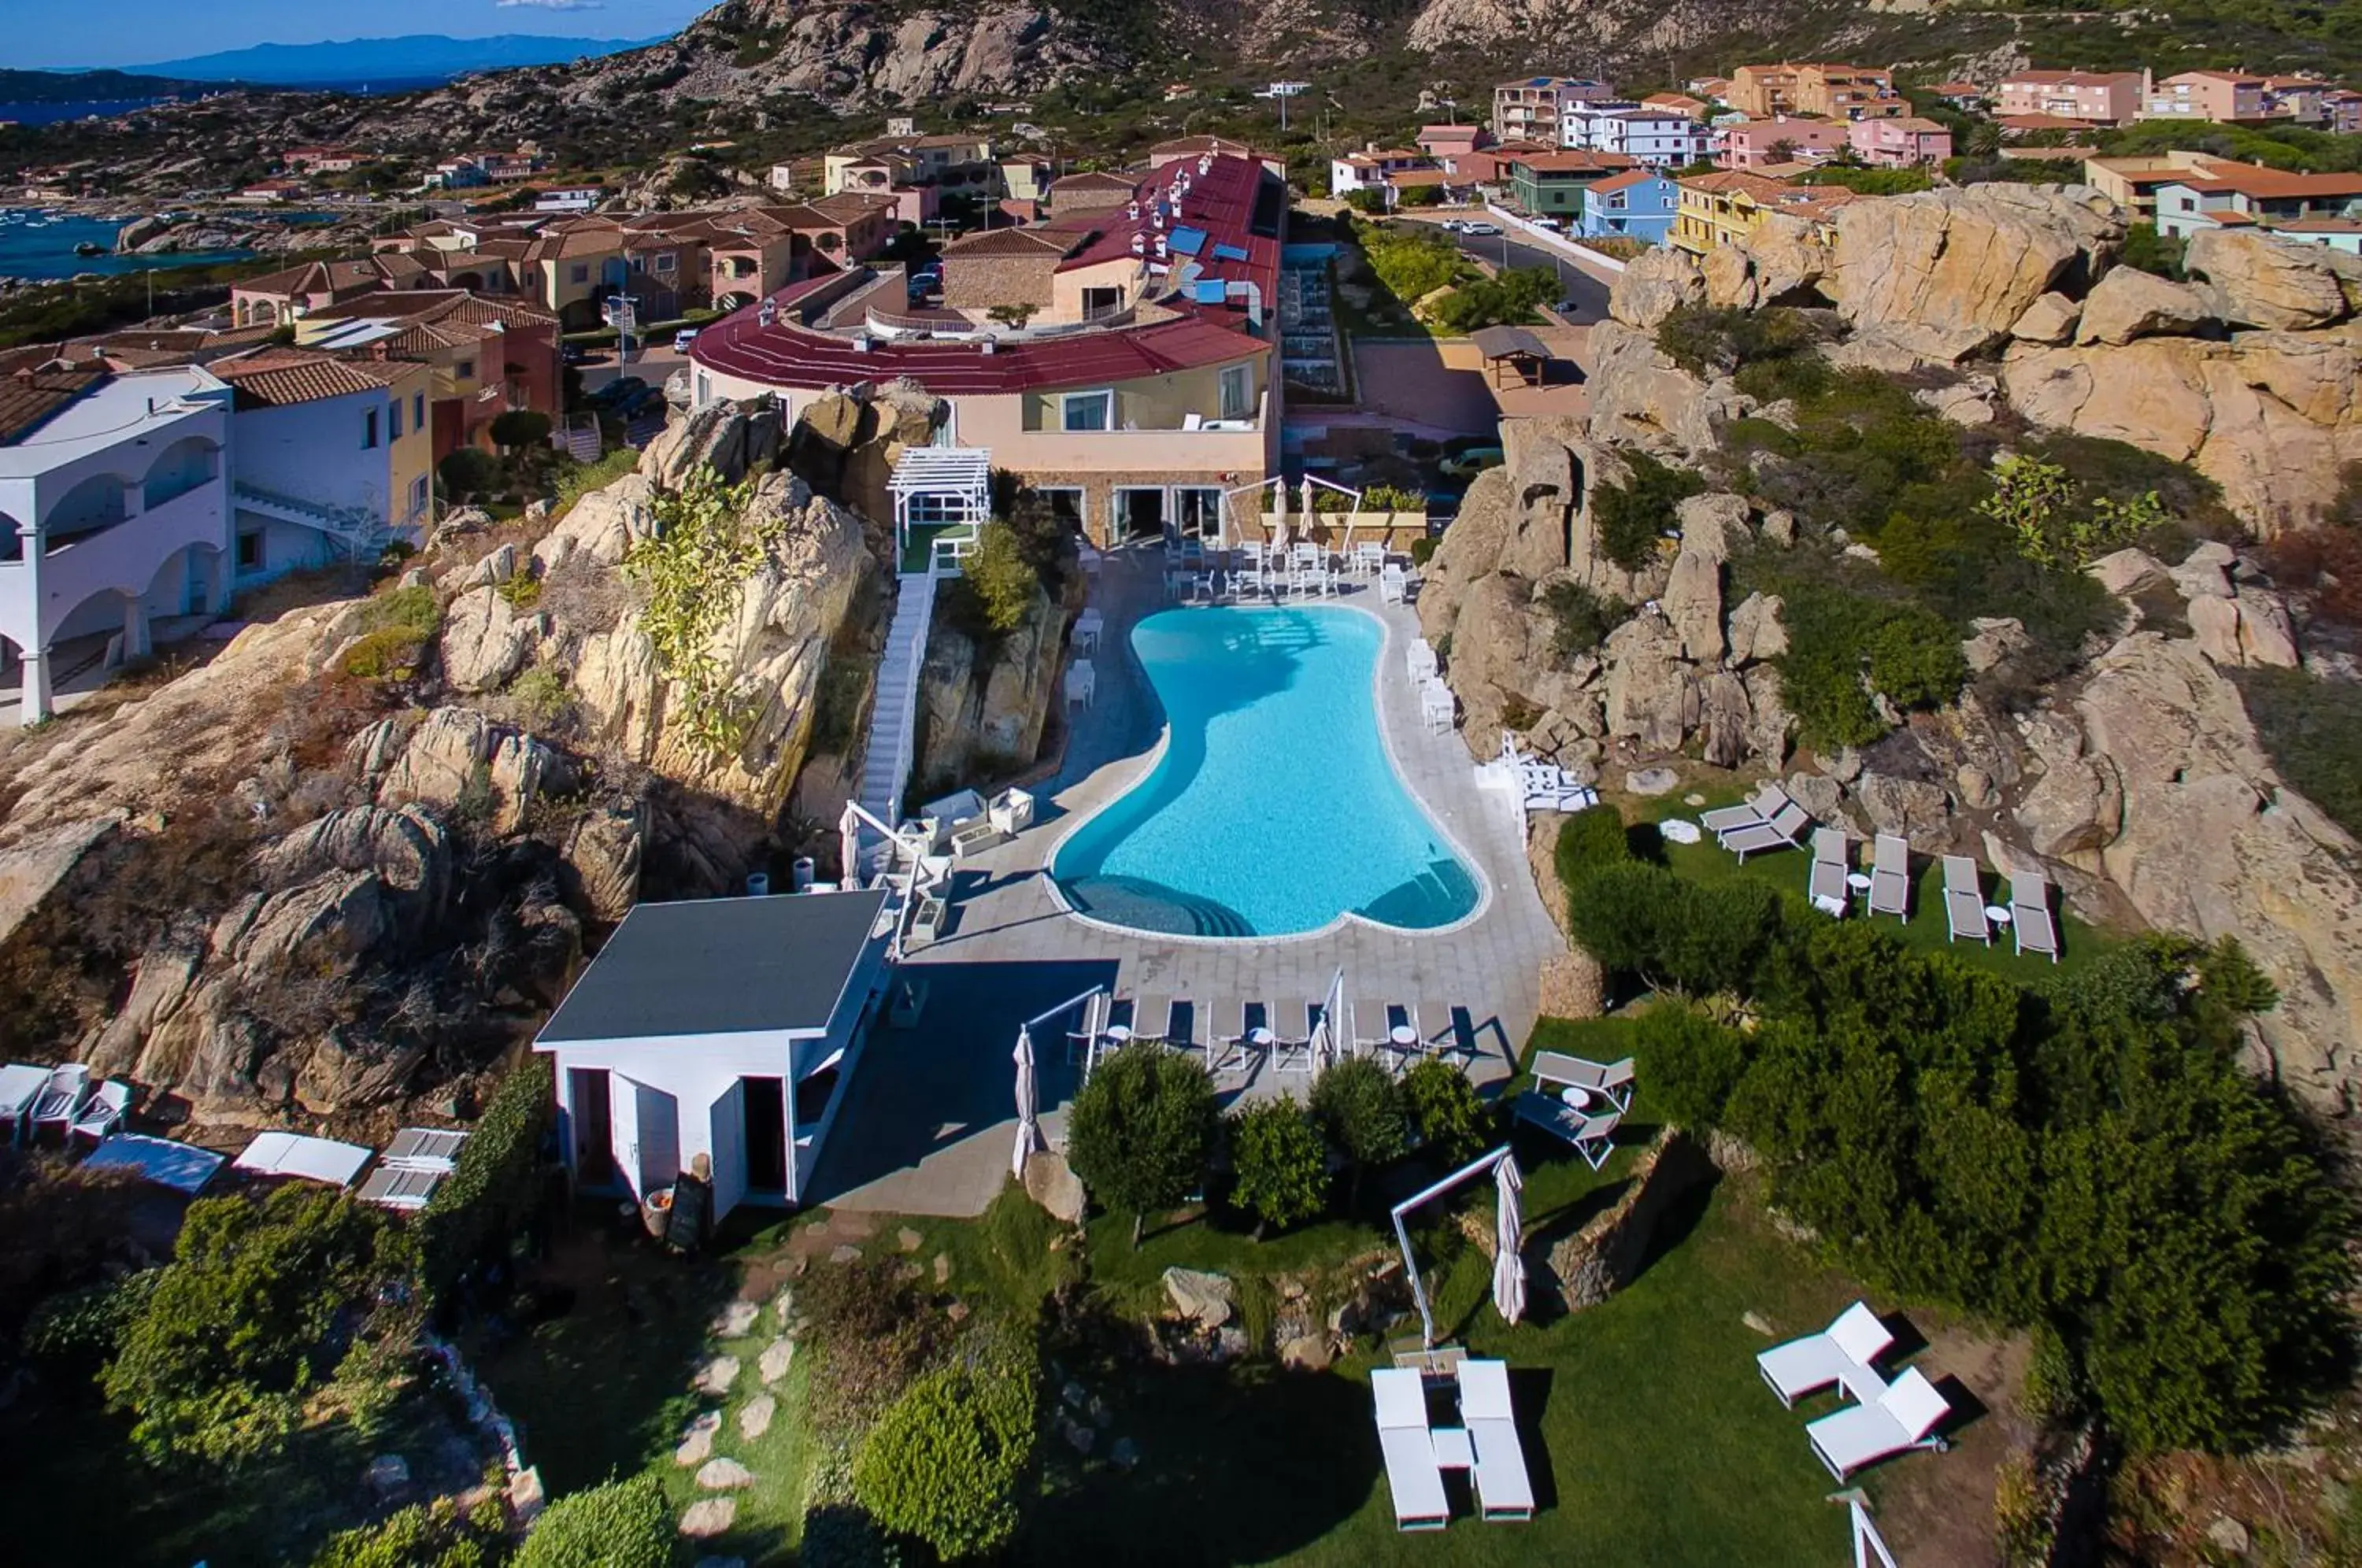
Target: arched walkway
{"x": 179, "y": 469}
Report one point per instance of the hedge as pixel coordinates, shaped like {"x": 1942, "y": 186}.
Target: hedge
{"x": 495, "y": 1185}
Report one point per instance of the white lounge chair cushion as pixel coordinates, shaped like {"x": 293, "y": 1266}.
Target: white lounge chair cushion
{"x": 1503, "y": 1484}
{"x": 1413, "y": 1478}
{"x": 1859, "y": 1332}
{"x": 1910, "y": 1409}
{"x": 1842, "y": 1353}
{"x": 1484, "y": 1391}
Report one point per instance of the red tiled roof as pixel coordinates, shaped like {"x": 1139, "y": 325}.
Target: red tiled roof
{"x": 1039, "y": 244}
{"x": 1626, "y": 180}
{"x": 1094, "y": 179}
{"x": 1578, "y": 162}
{"x": 278, "y": 378}
{"x": 783, "y": 356}
{"x": 29, "y": 397}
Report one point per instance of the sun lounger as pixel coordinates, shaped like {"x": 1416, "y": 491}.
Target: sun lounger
{"x": 1890, "y": 875}
{"x": 401, "y": 1186}
{"x": 1759, "y": 806}
{"x": 2030, "y": 925}
{"x": 1080, "y": 1041}
{"x": 61, "y": 1102}
{"x": 1436, "y": 706}
{"x": 1413, "y": 1478}
{"x": 1964, "y": 902}
{"x": 1612, "y": 1081}
{"x": 1846, "y": 1352}
{"x": 103, "y": 1111}
{"x": 1246, "y": 1034}
{"x": 21, "y": 1086}
{"x": 1780, "y": 832}
{"x": 1827, "y": 887}
{"x": 1181, "y": 1026}
{"x": 1292, "y": 1051}
{"x": 1593, "y": 1134}
{"x": 423, "y": 1148}
{"x": 1906, "y": 1417}
{"x": 1504, "y": 1490}
{"x": 1445, "y": 1030}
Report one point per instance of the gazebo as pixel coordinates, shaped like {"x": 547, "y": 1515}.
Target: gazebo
{"x": 1512, "y": 350}
{"x": 936, "y": 491}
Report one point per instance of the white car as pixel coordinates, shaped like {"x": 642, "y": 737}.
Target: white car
{"x": 1453, "y": 226}
{"x": 1480, "y": 229}
{"x": 1550, "y": 223}
{"x": 683, "y": 338}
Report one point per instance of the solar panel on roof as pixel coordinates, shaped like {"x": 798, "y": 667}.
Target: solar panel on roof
{"x": 1209, "y": 291}
{"x": 1188, "y": 241}
{"x": 1229, "y": 253}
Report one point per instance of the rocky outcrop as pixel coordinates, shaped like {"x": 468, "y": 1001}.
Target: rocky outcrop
{"x": 2213, "y": 843}
{"x": 485, "y": 641}
{"x": 728, "y": 437}
{"x": 2129, "y": 304}
{"x": 1641, "y": 398}
{"x": 1653, "y": 285}
{"x": 1608, "y": 1252}
{"x": 1974, "y": 259}
{"x": 845, "y": 444}
{"x": 2251, "y": 280}
{"x": 985, "y": 706}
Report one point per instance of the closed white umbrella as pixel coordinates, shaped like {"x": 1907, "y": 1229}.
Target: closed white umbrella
{"x": 1508, "y": 1268}
{"x": 1029, "y": 1132}
{"x": 848, "y": 847}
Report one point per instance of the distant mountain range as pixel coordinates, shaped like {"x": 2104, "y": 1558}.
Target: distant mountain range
{"x": 84, "y": 86}
{"x": 422, "y": 56}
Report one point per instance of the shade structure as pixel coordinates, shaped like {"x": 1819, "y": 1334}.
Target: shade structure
{"x": 1508, "y": 1266}
{"x": 1028, "y": 1131}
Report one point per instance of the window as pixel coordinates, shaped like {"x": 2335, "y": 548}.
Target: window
{"x": 665, "y": 262}
{"x": 1088, "y": 411}
{"x": 1097, "y": 303}
{"x": 465, "y": 369}
{"x": 418, "y": 411}
{"x": 578, "y": 273}
{"x": 1237, "y": 383}
{"x": 418, "y": 494}
{"x": 393, "y": 420}
{"x": 249, "y": 551}
{"x": 369, "y": 431}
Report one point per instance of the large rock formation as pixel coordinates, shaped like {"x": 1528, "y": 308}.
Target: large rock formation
{"x": 984, "y": 704}
{"x": 1970, "y": 260}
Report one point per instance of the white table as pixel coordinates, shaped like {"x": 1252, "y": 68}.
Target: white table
{"x": 1858, "y": 880}
{"x": 1577, "y": 1097}
{"x": 1452, "y": 1449}
{"x": 1997, "y": 913}
{"x": 1404, "y": 1035}
{"x": 1260, "y": 1038}
{"x": 1118, "y": 1032}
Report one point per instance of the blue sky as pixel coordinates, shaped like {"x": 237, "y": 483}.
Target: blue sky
{"x": 139, "y": 32}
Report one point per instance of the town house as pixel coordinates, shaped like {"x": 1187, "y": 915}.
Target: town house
{"x": 487, "y": 356}
{"x": 2243, "y": 195}
{"x": 1550, "y": 185}
{"x": 1529, "y": 109}
{"x": 1724, "y": 208}
{"x": 1638, "y": 204}
{"x": 1900, "y": 143}
{"x": 1659, "y": 137}
{"x": 2084, "y": 97}
{"x": 2222, "y": 96}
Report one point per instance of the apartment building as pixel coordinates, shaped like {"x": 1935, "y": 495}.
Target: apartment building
{"x": 487, "y": 357}
{"x": 2221, "y": 97}
{"x": 1445, "y": 143}
{"x": 1766, "y": 144}
{"x": 1119, "y": 358}
{"x": 114, "y": 514}
{"x": 1529, "y": 109}
{"x": 1904, "y": 143}
{"x": 2082, "y": 97}
{"x": 1638, "y": 204}
{"x": 1550, "y": 185}
{"x": 1833, "y": 92}
{"x": 2133, "y": 183}
{"x": 1370, "y": 169}
{"x": 1661, "y": 139}
{"x": 2243, "y": 195}
{"x": 1724, "y": 208}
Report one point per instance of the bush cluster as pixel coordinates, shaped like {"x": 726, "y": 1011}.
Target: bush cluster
{"x": 623, "y": 1524}
{"x": 949, "y": 1461}
{"x": 495, "y": 1184}
{"x": 1846, "y": 649}
{"x": 1139, "y": 1131}
{"x": 1581, "y": 616}
{"x": 1633, "y": 517}
{"x": 1281, "y": 1168}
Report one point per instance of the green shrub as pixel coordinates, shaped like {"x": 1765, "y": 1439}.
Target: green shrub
{"x": 1708, "y": 341}
{"x": 623, "y": 1524}
{"x": 1581, "y": 616}
{"x": 1005, "y": 585}
{"x": 415, "y": 1537}
{"x": 412, "y": 610}
{"x": 837, "y": 1535}
{"x": 1588, "y": 840}
{"x": 1691, "y": 1064}
{"x": 1672, "y": 932}
{"x": 2150, "y": 251}
{"x": 1282, "y": 1171}
{"x": 1631, "y": 519}
{"x": 520, "y": 427}
{"x": 1915, "y": 659}
{"x": 542, "y": 694}
{"x": 1444, "y": 1111}
{"x": 1137, "y": 1131}
{"x": 2050, "y": 1394}
{"x": 78, "y": 1331}
{"x": 262, "y": 1298}
{"x": 1422, "y": 550}
{"x": 1411, "y": 260}
{"x": 495, "y": 1185}
{"x": 2312, "y": 729}
{"x": 387, "y": 654}
{"x": 521, "y": 591}
{"x": 949, "y": 1462}
{"x": 469, "y": 471}
{"x": 584, "y": 477}
{"x": 1843, "y": 645}
{"x": 1357, "y": 1105}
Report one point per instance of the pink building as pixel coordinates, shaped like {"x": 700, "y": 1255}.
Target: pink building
{"x": 2091, "y": 97}
{"x": 2222, "y": 96}
{"x": 1902, "y": 143}
{"x": 1755, "y": 144}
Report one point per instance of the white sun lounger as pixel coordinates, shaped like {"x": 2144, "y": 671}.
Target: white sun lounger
{"x": 1844, "y": 1353}
{"x": 1780, "y": 832}
{"x": 61, "y": 1102}
{"x": 1759, "y": 806}
{"x": 1593, "y": 1134}
{"x": 1292, "y": 1051}
{"x": 103, "y": 1111}
{"x": 1890, "y": 875}
{"x": 1413, "y": 1478}
{"x": 294, "y": 1155}
{"x": 1906, "y": 1417}
{"x": 1964, "y": 902}
{"x": 1826, "y": 885}
{"x": 1611, "y": 1080}
{"x": 1504, "y": 1490}
{"x": 2030, "y": 925}
{"x": 21, "y": 1086}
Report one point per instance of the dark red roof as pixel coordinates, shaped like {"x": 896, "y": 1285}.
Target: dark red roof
{"x": 784, "y": 355}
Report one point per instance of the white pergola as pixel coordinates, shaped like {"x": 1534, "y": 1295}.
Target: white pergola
{"x": 940, "y": 484}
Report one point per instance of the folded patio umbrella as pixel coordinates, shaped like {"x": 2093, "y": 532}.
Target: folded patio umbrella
{"x": 1029, "y": 1132}
{"x": 1508, "y": 1267}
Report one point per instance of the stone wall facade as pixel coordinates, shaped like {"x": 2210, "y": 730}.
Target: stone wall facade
{"x": 1606, "y": 1255}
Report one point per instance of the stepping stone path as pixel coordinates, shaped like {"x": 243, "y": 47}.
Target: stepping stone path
{"x": 845, "y": 1253}
{"x": 942, "y": 1268}
{"x": 737, "y": 1321}
{"x": 724, "y": 1476}
{"x": 907, "y": 1240}
{"x": 709, "y": 1516}
{"x": 754, "y": 1419}
{"x": 787, "y": 1306}
{"x": 779, "y": 1356}
{"x": 697, "y": 1441}
{"x": 719, "y": 1374}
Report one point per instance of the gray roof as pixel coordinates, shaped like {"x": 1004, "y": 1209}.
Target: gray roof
{"x": 1508, "y": 342}
{"x": 721, "y": 967}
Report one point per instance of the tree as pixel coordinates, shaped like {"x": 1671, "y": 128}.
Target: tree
{"x": 1006, "y": 584}
{"x": 1366, "y": 199}
{"x": 1357, "y": 1105}
{"x": 948, "y": 1461}
{"x": 1139, "y": 1128}
{"x": 623, "y": 1524}
{"x": 262, "y": 1301}
{"x": 520, "y": 427}
{"x": 1444, "y": 1110}
{"x": 1692, "y": 1063}
{"x": 469, "y": 471}
{"x": 1283, "y": 1172}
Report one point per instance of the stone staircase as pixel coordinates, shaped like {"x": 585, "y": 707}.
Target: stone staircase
{"x": 362, "y": 534}
{"x": 894, "y": 718}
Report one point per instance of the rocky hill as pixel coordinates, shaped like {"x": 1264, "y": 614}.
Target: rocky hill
{"x": 1805, "y": 487}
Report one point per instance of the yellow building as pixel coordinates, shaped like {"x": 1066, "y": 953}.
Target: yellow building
{"x": 1723, "y": 208}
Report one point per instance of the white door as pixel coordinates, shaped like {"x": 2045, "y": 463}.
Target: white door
{"x": 729, "y": 1122}
{"x": 623, "y": 1112}
{"x": 647, "y": 1135}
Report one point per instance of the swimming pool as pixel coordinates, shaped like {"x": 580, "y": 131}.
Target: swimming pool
{"x": 1274, "y": 810}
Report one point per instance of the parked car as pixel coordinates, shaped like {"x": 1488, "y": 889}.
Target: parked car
{"x": 683, "y": 338}
{"x": 1480, "y": 229}
{"x": 1471, "y": 462}
{"x": 1548, "y": 222}
{"x": 574, "y": 354}
{"x": 1454, "y": 226}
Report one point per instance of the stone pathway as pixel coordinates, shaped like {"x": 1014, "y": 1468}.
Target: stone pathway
{"x": 709, "y": 1516}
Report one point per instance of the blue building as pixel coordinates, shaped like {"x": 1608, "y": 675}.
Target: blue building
{"x": 1637, "y": 204}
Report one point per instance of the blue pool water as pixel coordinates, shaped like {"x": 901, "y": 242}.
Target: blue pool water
{"x": 1274, "y": 808}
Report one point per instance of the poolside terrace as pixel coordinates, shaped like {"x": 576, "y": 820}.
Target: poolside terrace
{"x": 930, "y": 1120}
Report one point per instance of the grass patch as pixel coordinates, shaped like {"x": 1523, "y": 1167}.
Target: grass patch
{"x": 1204, "y": 1238}
{"x": 2312, "y": 731}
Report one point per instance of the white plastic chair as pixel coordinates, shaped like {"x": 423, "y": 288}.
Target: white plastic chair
{"x": 1437, "y": 707}
{"x": 1393, "y": 584}
{"x": 61, "y": 1101}
{"x": 1420, "y": 659}
{"x": 1906, "y": 1417}
{"x": 1082, "y": 684}
{"x": 104, "y": 1111}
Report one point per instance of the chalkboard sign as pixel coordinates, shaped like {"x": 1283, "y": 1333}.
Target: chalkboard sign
{"x": 692, "y": 1209}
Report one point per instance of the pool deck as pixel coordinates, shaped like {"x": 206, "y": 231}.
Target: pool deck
{"x": 928, "y": 1124}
